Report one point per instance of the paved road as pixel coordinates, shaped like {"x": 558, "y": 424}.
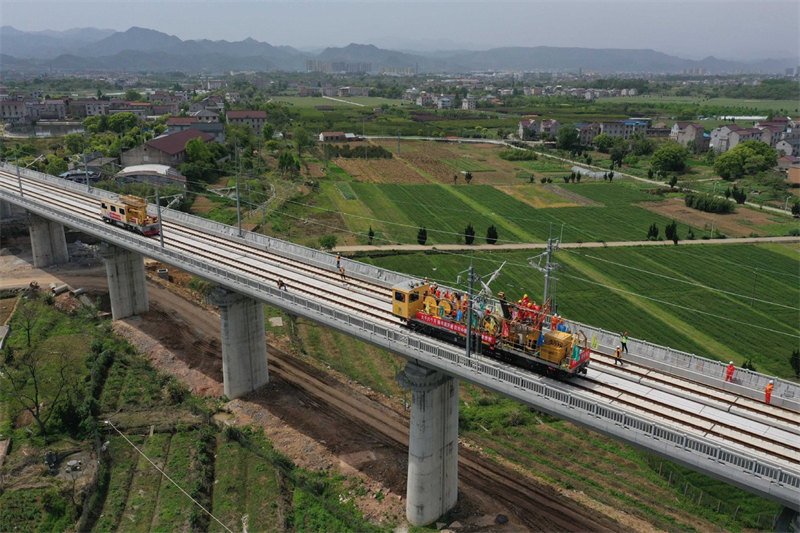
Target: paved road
{"x": 542, "y": 245}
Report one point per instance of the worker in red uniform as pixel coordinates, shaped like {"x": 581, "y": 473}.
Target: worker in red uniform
{"x": 729, "y": 372}
{"x": 768, "y": 392}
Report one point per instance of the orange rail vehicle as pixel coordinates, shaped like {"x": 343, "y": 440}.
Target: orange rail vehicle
{"x": 521, "y": 334}
{"x": 130, "y": 212}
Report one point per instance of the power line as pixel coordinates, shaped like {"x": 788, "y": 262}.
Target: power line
{"x": 688, "y": 282}
{"x": 108, "y": 422}
{"x": 691, "y": 309}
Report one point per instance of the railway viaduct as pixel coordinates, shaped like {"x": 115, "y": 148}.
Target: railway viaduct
{"x": 246, "y": 267}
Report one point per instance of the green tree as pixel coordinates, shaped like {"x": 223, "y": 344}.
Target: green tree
{"x": 422, "y": 236}
{"x": 55, "y": 165}
{"x": 468, "y": 176}
{"x": 288, "y": 163}
{"x": 302, "y": 140}
{"x": 491, "y": 234}
{"x": 122, "y": 122}
{"x": 652, "y": 232}
{"x": 671, "y": 231}
{"x": 568, "y": 138}
{"x": 37, "y": 383}
{"x": 133, "y": 96}
{"x": 673, "y": 181}
{"x": 469, "y": 234}
{"x": 327, "y": 242}
{"x": 796, "y": 209}
{"x": 670, "y": 158}
{"x": 267, "y": 132}
{"x": 370, "y": 235}
{"x": 74, "y": 143}
{"x": 603, "y": 142}
{"x": 747, "y": 158}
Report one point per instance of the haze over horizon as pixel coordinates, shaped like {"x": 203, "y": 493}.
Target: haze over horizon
{"x": 736, "y": 30}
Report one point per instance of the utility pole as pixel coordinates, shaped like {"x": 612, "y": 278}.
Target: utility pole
{"x": 549, "y": 266}
{"x": 470, "y": 275}
{"x": 755, "y": 278}
{"x": 86, "y": 171}
{"x": 364, "y": 136}
{"x": 398, "y": 142}
{"x": 19, "y": 178}
{"x": 158, "y": 210}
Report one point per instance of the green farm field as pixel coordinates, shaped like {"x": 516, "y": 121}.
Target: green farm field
{"x": 400, "y": 210}
{"x": 733, "y": 103}
{"x": 719, "y": 301}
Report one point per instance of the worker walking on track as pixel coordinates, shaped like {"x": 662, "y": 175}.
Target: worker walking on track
{"x": 338, "y": 260}
{"x": 618, "y": 356}
{"x": 341, "y": 272}
{"x": 768, "y": 392}
{"x": 624, "y": 342}
{"x": 729, "y": 372}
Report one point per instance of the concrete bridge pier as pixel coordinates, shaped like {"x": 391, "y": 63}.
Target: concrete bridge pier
{"x": 432, "y": 487}
{"x": 244, "y": 342}
{"x": 788, "y": 521}
{"x": 127, "y": 284}
{"x": 48, "y": 243}
{"x": 5, "y": 209}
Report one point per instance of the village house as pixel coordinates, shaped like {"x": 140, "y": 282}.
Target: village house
{"x": 529, "y": 130}
{"x": 165, "y": 150}
{"x": 332, "y": 136}
{"x": 689, "y": 134}
{"x": 253, "y": 119}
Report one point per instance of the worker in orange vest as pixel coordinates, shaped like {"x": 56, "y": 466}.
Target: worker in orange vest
{"x": 729, "y": 372}
{"x": 768, "y": 391}
{"x": 618, "y": 356}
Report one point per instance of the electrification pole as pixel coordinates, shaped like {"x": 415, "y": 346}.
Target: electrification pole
{"x": 470, "y": 275}
{"x": 549, "y": 266}
{"x": 158, "y": 210}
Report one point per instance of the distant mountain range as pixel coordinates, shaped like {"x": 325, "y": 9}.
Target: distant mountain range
{"x": 141, "y": 49}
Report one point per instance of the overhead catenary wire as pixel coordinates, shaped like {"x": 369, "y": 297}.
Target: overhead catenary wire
{"x": 109, "y": 423}
{"x": 688, "y": 282}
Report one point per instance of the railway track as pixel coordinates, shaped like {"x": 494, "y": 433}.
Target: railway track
{"x": 634, "y": 391}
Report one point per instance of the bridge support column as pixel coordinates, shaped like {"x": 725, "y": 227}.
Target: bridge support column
{"x": 244, "y": 343}
{"x": 5, "y": 209}
{"x": 127, "y": 284}
{"x": 48, "y": 244}
{"x": 432, "y": 487}
{"x": 788, "y": 521}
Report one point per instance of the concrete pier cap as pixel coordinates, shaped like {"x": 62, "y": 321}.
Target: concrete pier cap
{"x": 244, "y": 342}
{"x": 432, "y": 487}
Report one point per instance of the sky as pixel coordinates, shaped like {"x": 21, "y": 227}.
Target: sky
{"x": 729, "y": 29}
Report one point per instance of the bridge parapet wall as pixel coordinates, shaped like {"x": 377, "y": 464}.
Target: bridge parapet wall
{"x": 698, "y": 368}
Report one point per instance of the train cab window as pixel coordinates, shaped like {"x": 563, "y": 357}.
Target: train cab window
{"x": 113, "y": 209}
{"x": 399, "y": 296}
{"x": 103, "y": 205}
{"x": 121, "y": 211}
{"x": 413, "y": 297}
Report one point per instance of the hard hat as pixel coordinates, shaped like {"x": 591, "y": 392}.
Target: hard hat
{"x": 618, "y": 347}
{"x": 525, "y": 296}
{"x": 770, "y": 381}
{"x": 626, "y": 333}
{"x": 731, "y": 362}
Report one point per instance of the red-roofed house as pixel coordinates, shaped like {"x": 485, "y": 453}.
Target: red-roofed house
{"x": 254, "y": 119}
{"x": 165, "y": 150}
{"x": 332, "y": 136}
